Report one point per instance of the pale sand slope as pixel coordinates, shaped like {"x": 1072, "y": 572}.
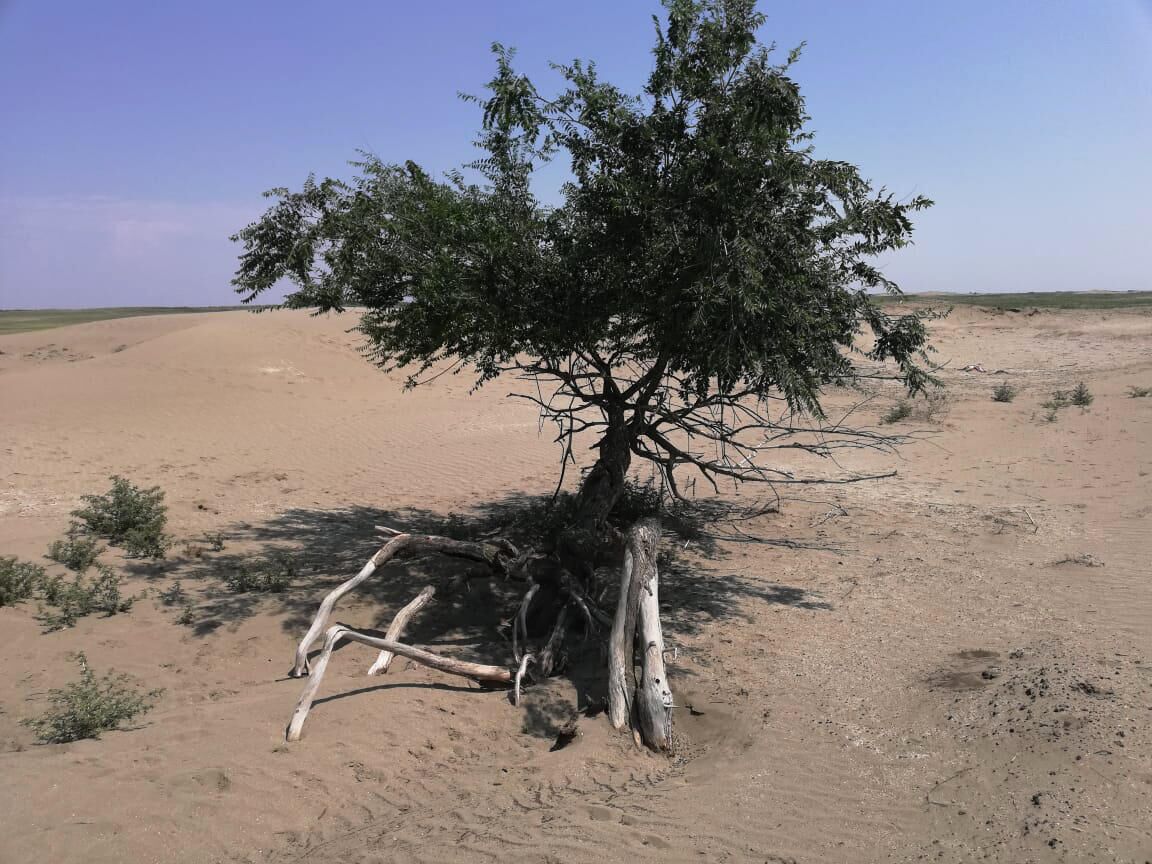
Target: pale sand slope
{"x": 838, "y": 710}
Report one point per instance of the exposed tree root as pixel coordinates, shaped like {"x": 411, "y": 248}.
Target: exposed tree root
{"x": 644, "y": 705}
{"x": 398, "y": 625}
{"x": 475, "y": 671}
{"x": 497, "y": 554}
{"x": 519, "y": 680}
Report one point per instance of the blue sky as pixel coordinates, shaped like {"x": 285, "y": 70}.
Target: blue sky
{"x": 136, "y": 136}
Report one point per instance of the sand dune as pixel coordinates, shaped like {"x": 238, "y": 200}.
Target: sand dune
{"x": 928, "y": 671}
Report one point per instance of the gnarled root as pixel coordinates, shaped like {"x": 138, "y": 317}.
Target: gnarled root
{"x": 475, "y": 671}
{"x": 497, "y": 554}
{"x": 398, "y": 625}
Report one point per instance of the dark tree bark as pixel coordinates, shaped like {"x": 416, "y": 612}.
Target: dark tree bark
{"x": 604, "y": 484}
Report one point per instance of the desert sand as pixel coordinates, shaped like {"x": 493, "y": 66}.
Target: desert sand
{"x": 951, "y": 665}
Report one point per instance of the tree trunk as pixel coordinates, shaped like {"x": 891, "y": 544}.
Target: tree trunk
{"x": 603, "y": 485}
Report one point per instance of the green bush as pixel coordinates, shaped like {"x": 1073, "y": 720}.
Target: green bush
{"x": 269, "y": 575}
{"x": 1081, "y": 396}
{"x": 18, "y": 579}
{"x": 129, "y": 517}
{"x": 1059, "y": 399}
{"x": 81, "y": 597}
{"x": 76, "y": 552}
{"x": 215, "y": 541}
{"x": 92, "y": 705}
{"x": 1004, "y": 392}
{"x": 1139, "y": 392}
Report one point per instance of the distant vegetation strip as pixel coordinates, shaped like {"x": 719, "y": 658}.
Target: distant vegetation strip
{"x": 24, "y": 320}
{"x": 1034, "y": 300}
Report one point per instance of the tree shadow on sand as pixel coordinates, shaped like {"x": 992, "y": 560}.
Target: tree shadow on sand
{"x": 330, "y": 546}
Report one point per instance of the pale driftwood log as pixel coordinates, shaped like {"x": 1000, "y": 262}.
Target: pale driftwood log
{"x": 494, "y": 553}
{"x": 475, "y": 671}
{"x": 639, "y": 559}
{"x": 399, "y": 624}
{"x": 620, "y": 652}
{"x": 653, "y": 695}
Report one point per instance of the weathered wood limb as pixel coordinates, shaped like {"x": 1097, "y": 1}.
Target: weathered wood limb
{"x": 547, "y": 660}
{"x": 495, "y": 553}
{"x": 399, "y": 624}
{"x": 653, "y": 695}
{"x": 639, "y": 559}
{"x": 383, "y": 554}
{"x": 475, "y": 671}
{"x": 528, "y": 658}
{"x": 520, "y": 624}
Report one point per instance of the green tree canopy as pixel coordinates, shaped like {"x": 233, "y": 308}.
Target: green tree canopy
{"x": 698, "y": 283}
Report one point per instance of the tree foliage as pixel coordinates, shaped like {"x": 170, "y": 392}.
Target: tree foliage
{"x": 700, "y": 280}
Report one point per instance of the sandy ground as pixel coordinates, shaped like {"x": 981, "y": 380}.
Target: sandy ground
{"x": 896, "y": 671}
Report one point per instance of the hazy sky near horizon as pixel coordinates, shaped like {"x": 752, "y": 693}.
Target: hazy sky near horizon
{"x": 135, "y": 136}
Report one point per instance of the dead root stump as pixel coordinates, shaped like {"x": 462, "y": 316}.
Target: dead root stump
{"x": 642, "y": 703}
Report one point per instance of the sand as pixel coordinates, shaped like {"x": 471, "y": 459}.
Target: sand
{"x": 929, "y": 667}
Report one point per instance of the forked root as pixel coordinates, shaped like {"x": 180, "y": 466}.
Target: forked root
{"x": 528, "y": 658}
{"x": 475, "y": 671}
{"x": 496, "y": 554}
{"x": 399, "y": 625}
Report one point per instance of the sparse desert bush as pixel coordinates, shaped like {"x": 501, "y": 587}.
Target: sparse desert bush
{"x": 129, "y": 517}
{"x": 82, "y": 596}
{"x": 85, "y": 708}
{"x": 215, "y": 541}
{"x": 270, "y": 574}
{"x": 76, "y": 552}
{"x": 928, "y": 409}
{"x": 1081, "y": 396}
{"x": 174, "y": 595}
{"x": 193, "y": 550}
{"x": 902, "y": 410}
{"x": 1139, "y": 392}
{"x": 18, "y": 579}
{"x": 931, "y": 407}
{"x": 1003, "y": 392}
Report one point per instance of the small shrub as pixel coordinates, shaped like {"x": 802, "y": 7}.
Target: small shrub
{"x": 270, "y": 575}
{"x": 1081, "y": 396}
{"x": 18, "y": 579}
{"x": 931, "y": 407}
{"x": 129, "y": 517}
{"x": 82, "y": 597}
{"x": 1059, "y": 399}
{"x": 92, "y": 705}
{"x": 215, "y": 541}
{"x": 174, "y": 595}
{"x": 1004, "y": 392}
{"x": 76, "y": 552}
{"x": 185, "y": 617}
{"x": 193, "y": 550}
{"x": 1139, "y": 392}
{"x": 902, "y": 410}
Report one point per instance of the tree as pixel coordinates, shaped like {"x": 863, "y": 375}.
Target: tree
{"x": 702, "y": 278}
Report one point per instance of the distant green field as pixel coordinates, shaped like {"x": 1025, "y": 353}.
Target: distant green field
{"x": 24, "y": 320}
{"x": 1035, "y": 300}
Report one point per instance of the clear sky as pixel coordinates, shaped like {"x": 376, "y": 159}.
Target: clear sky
{"x": 136, "y": 136}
